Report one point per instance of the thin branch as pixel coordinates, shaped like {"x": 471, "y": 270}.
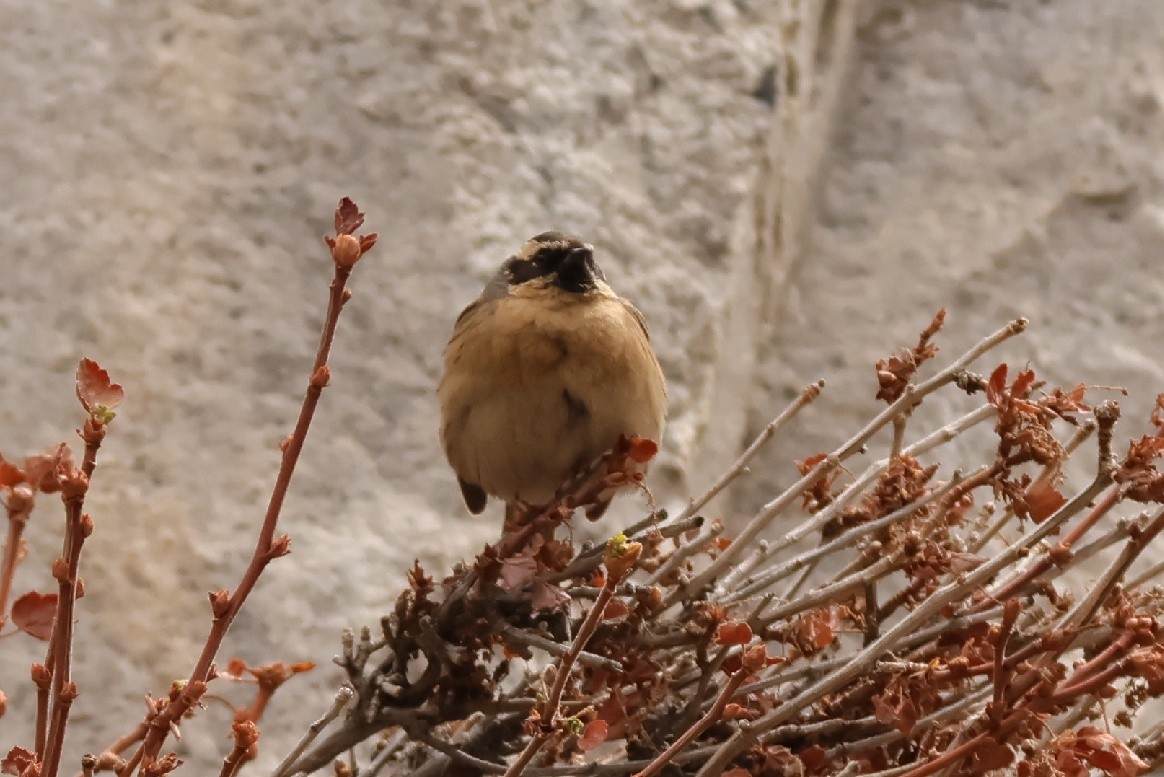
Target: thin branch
{"x": 556, "y": 649}
{"x": 833, "y": 460}
{"x": 878, "y": 569}
{"x": 386, "y": 753}
{"x": 74, "y": 485}
{"x": 19, "y": 507}
{"x": 686, "y": 551}
{"x": 457, "y": 755}
{"x": 710, "y": 718}
{"x": 931, "y": 606}
{"x": 549, "y": 713}
{"x": 267, "y": 547}
{"x": 848, "y": 539}
{"x": 806, "y": 396}
{"x": 340, "y": 702}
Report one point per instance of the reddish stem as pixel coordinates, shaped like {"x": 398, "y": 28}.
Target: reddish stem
{"x": 60, "y": 650}
{"x": 698, "y": 727}
{"x": 43, "y": 686}
{"x": 17, "y": 520}
{"x": 999, "y": 673}
{"x": 1103, "y": 660}
{"x": 1085, "y": 680}
{"x": 585, "y": 632}
{"x": 949, "y": 758}
{"x": 1016, "y": 584}
{"x": 549, "y": 712}
{"x": 161, "y": 726}
{"x": 59, "y": 655}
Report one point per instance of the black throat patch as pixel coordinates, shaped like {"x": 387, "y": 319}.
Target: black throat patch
{"x": 567, "y": 262}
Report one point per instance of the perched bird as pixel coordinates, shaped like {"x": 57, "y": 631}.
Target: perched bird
{"x": 543, "y": 372}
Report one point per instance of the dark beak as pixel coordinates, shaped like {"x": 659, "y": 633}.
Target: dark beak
{"x": 578, "y": 272}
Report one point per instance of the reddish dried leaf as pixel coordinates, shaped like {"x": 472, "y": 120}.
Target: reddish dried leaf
{"x": 777, "y": 759}
{"x": 739, "y": 771}
{"x": 547, "y": 597}
{"x": 1107, "y": 753}
{"x": 17, "y": 760}
{"x": 991, "y": 756}
{"x": 615, "y": 608}
{"x": 996, "y": 386}
{"x": 1022, "y": 383}
{"x": 733, "y": 633}
{"x": 893, "y": 710}
{"x": 1042, "y": 500}
{"x": 95, "y": 389}
{"x": 517, "y": 571}
{"x": 1149, "y": 664}
{"x": 805, "y": 465}
{"x": 814, "y": 631}
{"x": 593, "y": 735}
{"x": 814, "y": 756}
{"x": 821, "y": 494}
{"x": 347, "y": 217}
{"x": 235, "y": 669}
{"x": 965, "y": 562}
{"x": 1061, "y": 402}
{"x": 612, "y": 711}
{"x": 34, "y": 613}
{"x": 42, "y": 471}
{"x": 895, "y": 373}
{"x": 641, "y": 449}
{"x": 10, "y": 474}
{"x": 736, "y": 711}
{"x": 1070, "y": 765}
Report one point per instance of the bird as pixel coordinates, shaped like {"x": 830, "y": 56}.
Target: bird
{"x": 544, "y": 372}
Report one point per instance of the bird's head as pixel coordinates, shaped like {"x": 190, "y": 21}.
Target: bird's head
{"x": 565, "y": 261}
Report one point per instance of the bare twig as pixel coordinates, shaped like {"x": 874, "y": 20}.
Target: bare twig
{"x": 806, "y": 396}
{"x": 850, "y": 447}
{"x": 848, "y": 539}
{"x": 226, "y": 605}
{"x": 685, "y": 551}
{"x": 386, "y": 753}
{"x": 74, "y": 484}
{"x": 618, "y": 563}
{"x": 343, "y": 697}
{"x": 19, "y": 507}
{"x": 711, "y": 717}
{"x": 556, "y": 649}
{"x": 865, "y": 658}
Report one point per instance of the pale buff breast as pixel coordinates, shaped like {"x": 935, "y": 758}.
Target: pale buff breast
{"x": 535, "y": 389}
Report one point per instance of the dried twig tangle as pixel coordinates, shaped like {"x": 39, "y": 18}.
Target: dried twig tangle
{"x": 695, "y": 659}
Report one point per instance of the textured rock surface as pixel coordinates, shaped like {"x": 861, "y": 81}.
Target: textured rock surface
{"x": 169, "y": 168}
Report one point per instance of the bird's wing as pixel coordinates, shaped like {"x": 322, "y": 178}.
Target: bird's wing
{"x": 637, "y": 316}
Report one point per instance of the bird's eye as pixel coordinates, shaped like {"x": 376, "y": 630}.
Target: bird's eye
{"x": 519, "y": 271}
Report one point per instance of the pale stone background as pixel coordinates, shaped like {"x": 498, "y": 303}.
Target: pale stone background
{"x": 787, "y": 189}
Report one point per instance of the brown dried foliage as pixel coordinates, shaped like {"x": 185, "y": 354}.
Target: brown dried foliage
{"x": 895, "y": 373}
{"x": 956, "y": 679}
